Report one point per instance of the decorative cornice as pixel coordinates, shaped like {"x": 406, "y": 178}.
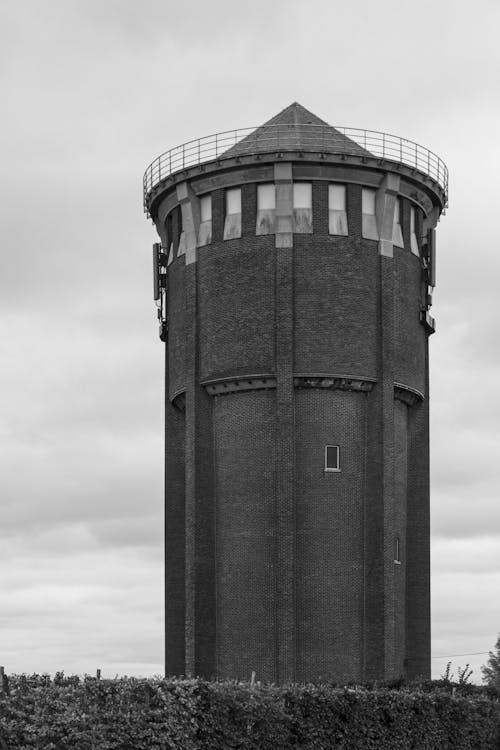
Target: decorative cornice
{"x": 179, "y": 401}
{"x": 243, "y": 383}
{"x": 409, "y": 396}
{"x": 267, "y": 381}
{"x": 334, "y": 382}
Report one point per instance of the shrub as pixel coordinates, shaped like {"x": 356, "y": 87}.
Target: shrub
{"x": 70, "y": 713}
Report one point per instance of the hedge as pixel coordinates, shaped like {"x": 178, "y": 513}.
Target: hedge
{"x": 69, "y": 713}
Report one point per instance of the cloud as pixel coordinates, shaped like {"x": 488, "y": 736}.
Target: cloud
{"x": 92, "y": 93}
{"x": 73, "y": 617}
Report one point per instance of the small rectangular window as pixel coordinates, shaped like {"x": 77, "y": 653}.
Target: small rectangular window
{"x": 266, "y": 197}
{"x": 181, "y": 236}
{"x": 170, "y": 238}
{"x": 397, "y": 234}
{"x": 397, "y": 550}
{"x": 206, "y": 208}
{"x": 337, "y": 215}
{"x": 302, "y": 207}
{"x": 302, "y": 195}
{"x": 205, "y": 230}
{"x": 368, "y": 201}
{"x": 232, "y": 221}
{"x": 266, "y": 209}
{"x": 413, "y": 234}
{"x": 233, "y": 201}
{"x": 369, "y": 222}
{"x": 332, "y": 458}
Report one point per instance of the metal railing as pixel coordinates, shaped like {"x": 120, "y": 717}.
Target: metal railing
{"x": 307, "y": 137}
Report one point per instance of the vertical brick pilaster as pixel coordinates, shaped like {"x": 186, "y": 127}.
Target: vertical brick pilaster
{"x": 373, "y": 615}
{"x": 199, "y": 505}
{"x": 174, "y": 535}
{"x": 387, "y": 440}
{"x": 285, "y": 450}
{"x": 418, "y": 611}
{"x": 190, "y": 481}
{"x": 379, "y": 618}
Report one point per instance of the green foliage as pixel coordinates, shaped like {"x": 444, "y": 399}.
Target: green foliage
{"x": 464, "y": 676}
{"x": 138, "y": 714}
{"x": 491, "y": 671}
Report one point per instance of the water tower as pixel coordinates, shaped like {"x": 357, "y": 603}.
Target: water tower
{"x": 293, "y": 281}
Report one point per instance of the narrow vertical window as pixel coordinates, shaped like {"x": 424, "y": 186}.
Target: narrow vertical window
{"x": 181, "y": 248}
{"x": 266, "y": 209}
{"x": 332, "y": 458}
{"x": 205, "y": 230}
{"x": 369, "y": 228}
{"x": 232, "y": 221}
{"x": 337, "y": 215}
{"x": 413, "y": 234}
{"x": 170, "y": 238}
{"x": 397, "y": 234}
{"x": 397, "y": 550}
{"x": 302, "y": 207}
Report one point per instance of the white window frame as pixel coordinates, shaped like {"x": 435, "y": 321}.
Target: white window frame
{"x": 337, "y": 217}
{"x": 302, "y": 207}
{"x": 369, "y": 220}
{"x": 266, "y": 217}
{"x": 397, "y": 232}
{"x": 205, "y": 228}
{"x": 264, "y": 188}
{"x": 232, "y": 221}
{"x": 206, "y": 203}
{"x": 413, "y": 235}
{"x": 330, "y": 468}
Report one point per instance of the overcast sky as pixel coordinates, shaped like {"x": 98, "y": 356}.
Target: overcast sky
{"x": 91, "y": 92}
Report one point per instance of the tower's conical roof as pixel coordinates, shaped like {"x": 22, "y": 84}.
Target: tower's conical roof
{"x": 296, "y": 129}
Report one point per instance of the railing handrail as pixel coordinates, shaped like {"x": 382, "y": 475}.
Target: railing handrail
{"x": 309, "y": 137}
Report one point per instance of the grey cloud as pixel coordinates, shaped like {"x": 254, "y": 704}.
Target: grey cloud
{"x": 92, "y": 93}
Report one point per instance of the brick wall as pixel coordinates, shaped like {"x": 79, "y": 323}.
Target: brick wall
{"x": 329, "y": 522}
{"x": 236, "y": 307}
{"x": 244, "y": 429}
{"x": 409, "y": 335}
{"x": 400, "y": 502}
{"x": 336, "y": 299}
{"x": 259, "y": 507}
{"x": 176, "y": 343}
{"x": 174, "y": 536}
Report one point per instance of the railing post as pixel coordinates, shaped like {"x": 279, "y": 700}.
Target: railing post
{"x": 216, "y": 147}
{"x": 383, "y": 145}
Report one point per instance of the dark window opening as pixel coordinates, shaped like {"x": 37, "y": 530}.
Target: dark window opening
{"x": 332, "y": 458}
{"x": 397, "y": 550}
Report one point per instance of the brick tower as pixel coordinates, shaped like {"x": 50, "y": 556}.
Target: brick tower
{"x": 293, "y": 284}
